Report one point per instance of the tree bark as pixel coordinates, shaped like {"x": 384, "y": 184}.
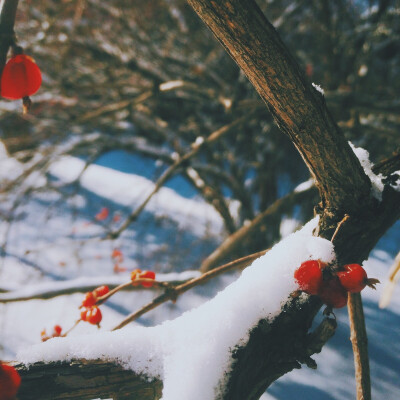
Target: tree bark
{"x": 84, "y": 379}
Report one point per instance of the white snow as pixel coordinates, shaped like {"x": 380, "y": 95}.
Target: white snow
{"x": 304, "y": 186}
{"x": 396, "y": 185}
{"x": 376, "y": 180}
{"x": 318, "y": 88}
{"x": 193, "y": 352}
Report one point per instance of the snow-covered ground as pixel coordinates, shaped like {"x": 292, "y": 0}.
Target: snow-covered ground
{"x": 45, "y": 245}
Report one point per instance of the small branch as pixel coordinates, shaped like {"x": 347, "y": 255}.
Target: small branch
{"x": 172, "y": 293}
{"x": 339, "y": 225}
{"x": 233, "y": 241}
{"x": 80, "y": 285}
{"x": 359, "y": 341}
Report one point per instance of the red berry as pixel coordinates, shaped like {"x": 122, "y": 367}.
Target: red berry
{"x": 21, "y": 77}
{"x": 93, "y": 315}
{"x": 135, "y": 275}
{"x": 147, "y": 275}
{"x": 57, "y": 330}
{"x": 89, "y": 300}
{"x": 9, "y": 382}
{"x": 353, "y": 278}
{"x": 309, "y": 276}
{"x": 83, "y": 314}
{"x": 103, "y": 214}
{"x": 101, "y": 291}
{"x": 333, "y": 293}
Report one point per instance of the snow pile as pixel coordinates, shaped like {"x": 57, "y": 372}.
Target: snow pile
{"x": 192, "y": 353}
{"x": 376, "y": 180}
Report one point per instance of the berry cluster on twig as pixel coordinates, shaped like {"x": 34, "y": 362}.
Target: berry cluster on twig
{"x": 332, "y": 283}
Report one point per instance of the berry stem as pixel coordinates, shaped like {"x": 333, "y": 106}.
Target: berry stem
{"x": 72, "y": 327}
{"x": 359, "y": 341}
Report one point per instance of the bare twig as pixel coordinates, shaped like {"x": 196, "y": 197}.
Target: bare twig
{"x": 359, "y": 342}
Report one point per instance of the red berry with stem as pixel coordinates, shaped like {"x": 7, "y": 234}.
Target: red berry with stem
{"x": 148, "y": 275}
{"x": 354, "y": 278}
{"x": 83, "y": 314}
{"x": 57, "y": 330}
{"x": 309, "y": 276}
{"x": 9, "y": 382}
{"x": 332, "y": 293}
{"x": 93, "y": 315}
{"x": 101, "y": 291}
{"x": 89, "y": 300}
{"x": 21, "y": 78}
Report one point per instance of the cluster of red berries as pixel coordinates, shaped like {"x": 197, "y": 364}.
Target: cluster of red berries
{"x": 21, "y": 78}
{"x": 9, "y": 382}
{"x": 57, "y": 332}
{"x": 138, "y": 274}
{"x": 90, "y": 312}
{"x": 332, "y": 285}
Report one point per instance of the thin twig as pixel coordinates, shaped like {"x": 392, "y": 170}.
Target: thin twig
{"x": 359, "y": 341}
{"x": 358, "y": 336}
{"x": 338, "y": 227}
{"x": 171, "y": 293}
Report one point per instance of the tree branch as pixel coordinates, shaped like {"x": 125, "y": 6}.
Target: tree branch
{"x": 84, "y": 380}
{"x": 298, "y": 109}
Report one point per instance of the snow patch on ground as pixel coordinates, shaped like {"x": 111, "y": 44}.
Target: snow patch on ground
{"x": 100, "y": 180}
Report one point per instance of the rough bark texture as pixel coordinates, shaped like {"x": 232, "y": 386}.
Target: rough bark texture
{"x": 83, "y": 379}
{"x": 278, "y": 346}
{"x": 298, "y": 108}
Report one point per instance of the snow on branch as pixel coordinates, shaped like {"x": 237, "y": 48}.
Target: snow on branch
{"x": 192, "y": 354}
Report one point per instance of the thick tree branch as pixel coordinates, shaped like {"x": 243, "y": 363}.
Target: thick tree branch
{"x": 84, "y": 380}
{"x": 298, "y": 109}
